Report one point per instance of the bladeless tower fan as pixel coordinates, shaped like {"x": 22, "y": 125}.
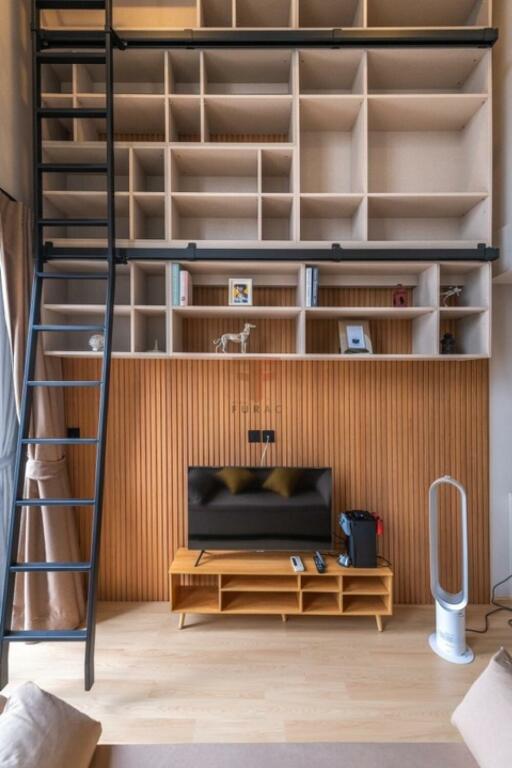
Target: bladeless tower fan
{"x": 449, "y": 639}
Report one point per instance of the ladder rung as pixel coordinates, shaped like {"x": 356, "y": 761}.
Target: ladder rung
{"x": 55, "y": 502}
{"x": 50, "y": 568}
{"x": 73, "y": 222}
{"x": 60, "y": 441}
{"x": 88, "y": 383}
{"x": 73, "y": 167}
{"x": 41, "y": 635}
{"x": 50, "y": 328}
{"x": 71, "y": 5}
{"x": 73, "y": 112}
{"x": 73, "y": 276}
{"x": 71, "y": 57}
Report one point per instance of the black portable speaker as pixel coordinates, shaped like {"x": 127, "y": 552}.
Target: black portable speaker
{"x": 361, "y": 529}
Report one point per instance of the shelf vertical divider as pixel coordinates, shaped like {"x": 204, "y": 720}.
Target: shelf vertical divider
{"x": 259, "y": 187}
{"x": 132, "y": 266}
{"x": 295, "y": 170}
{"x": 168, "y": 307}
{"x": 202, "y": 92}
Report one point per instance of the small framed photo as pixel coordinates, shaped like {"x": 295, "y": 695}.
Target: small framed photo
{"x": 354, "y": 337}
{"x": 240, "y": 292}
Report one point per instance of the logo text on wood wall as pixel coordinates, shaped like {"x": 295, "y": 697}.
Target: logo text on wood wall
{"x": 255, "y": 396}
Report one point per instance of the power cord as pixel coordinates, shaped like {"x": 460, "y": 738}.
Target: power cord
{"x": 267, "y": 443}
{"x": 498, "y": 607}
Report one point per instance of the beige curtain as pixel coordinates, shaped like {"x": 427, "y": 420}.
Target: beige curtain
{"x": 53, "y": 600}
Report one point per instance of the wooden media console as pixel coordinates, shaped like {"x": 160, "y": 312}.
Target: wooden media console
{"x": 256, "y": 583}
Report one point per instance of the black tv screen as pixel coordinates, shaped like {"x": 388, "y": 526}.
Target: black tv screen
{"x": 256, "y": 518}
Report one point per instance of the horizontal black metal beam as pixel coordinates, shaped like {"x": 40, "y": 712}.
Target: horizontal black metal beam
{"x": 336, "y": 253}
{"x": 288, "y": 38}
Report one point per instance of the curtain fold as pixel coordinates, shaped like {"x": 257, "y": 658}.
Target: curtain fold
{"x": 42, "y": 600}
{"x": 8, "y": 434}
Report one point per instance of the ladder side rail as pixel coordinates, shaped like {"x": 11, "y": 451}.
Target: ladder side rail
{"x": 107, "y": 355}
{"x": 6, "y": 608}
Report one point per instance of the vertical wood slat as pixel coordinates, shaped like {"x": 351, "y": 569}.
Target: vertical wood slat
{"x": 388, "y": 429}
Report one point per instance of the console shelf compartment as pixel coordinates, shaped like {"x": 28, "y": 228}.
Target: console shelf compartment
{"x": 312, "y": 584}
{"x": 214, "y": 170}
{"x": 264, "y": 583}
{"x": 216, "y": 13}
{"x": 259, "y": 14}
{"x": 248, "y": 119}
{"x": 331, "y": 72}
{"x": 259, "y": 583}
{"x": 321, "y": 603}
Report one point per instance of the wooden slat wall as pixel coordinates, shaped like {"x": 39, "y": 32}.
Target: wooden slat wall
{"x": 387, "y": 429}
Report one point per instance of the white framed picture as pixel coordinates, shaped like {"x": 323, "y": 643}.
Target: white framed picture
{"x": 240, "y": 292}
{"x": 354, "y": 337}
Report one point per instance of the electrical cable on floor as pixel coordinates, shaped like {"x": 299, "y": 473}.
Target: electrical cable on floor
{"x": 498, "y": 607}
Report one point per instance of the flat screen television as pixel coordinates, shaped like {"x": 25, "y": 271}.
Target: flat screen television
{"x": 256, "y": 518}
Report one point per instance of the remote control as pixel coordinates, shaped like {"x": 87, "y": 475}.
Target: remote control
{"x": 319, "y": 562}
{"x": 297, "y": 564}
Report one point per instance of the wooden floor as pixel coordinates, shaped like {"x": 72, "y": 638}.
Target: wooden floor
{"x": 255, "y": 679}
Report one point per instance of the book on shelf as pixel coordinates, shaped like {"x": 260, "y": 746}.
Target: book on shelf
{"x": 185, "y": 288}
{"x": 312, "y": 278}
{"x": 175, "y": 284}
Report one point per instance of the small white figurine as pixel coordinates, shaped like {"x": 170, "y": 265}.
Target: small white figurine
{"x": 452, "y": 290}
{"x": 97, "y": 342}
{"x": 221, "y": 344}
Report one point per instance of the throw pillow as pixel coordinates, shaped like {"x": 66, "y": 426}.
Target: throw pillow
{"x": 283, "y": 480}
{"x": 484, "y": 716}
{"x": 201, "y": 483}
{"x": 38, "y": 730}
{"x": 236, "y": 479}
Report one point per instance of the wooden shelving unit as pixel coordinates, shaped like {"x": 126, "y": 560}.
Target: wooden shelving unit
{"x": 284, "y": 14}
{"x": 266, "y": 584}
{"x": 147, "y": 324}
{"x": 283, "y": 148}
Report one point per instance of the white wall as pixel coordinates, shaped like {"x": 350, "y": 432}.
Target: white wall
{"x": 501, "y": 364}
{"x": 15, "y": 106}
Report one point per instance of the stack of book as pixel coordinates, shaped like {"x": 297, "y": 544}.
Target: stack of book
{"x": 181, "y": 281}
{"x": 312, "y": 276}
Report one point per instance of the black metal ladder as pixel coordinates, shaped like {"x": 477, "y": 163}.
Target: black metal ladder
{"x": 51, "y": 49}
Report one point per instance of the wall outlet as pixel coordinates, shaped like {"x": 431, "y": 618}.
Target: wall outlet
{"x": 254, "y": 435}
{"x": 74, "y": 433}
{"x": 269, "y": 436}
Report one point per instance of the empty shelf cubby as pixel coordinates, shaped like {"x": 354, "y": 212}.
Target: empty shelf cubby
{"x": 248, "y": 119}
{"x": 257, "y": 14}
{"x": 214, "y": 170}
{"x": 455, "y": 71}
{"x": 331, "y": 13}
{"x": 248, "y": 72}
{"x": 148, "y": 220}
{"x": 328, "y": 72}
{"x": 149, "y": 285}
{"x": 437, "y": 144}
{"x": 277, "y": 217}
{"x": 277, "y": 170}
{"x": 434, "y": 13}
{"x": 331, "y": 144}
{"x": 56, "y": 78}
{"x": 216, "y": 13}
{"x": 139, "y": 118}
{"x": 139, "y": 72}
{"x": 211, "y": 217}
{"x": 148, "y": 170}
{"x": 184, "y": 72}
{"x": 332, "y": 218}
{"x": 184, "y": 119}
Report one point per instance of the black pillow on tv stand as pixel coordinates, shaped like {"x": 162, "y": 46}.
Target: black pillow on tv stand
{"x": 201, "y": 484}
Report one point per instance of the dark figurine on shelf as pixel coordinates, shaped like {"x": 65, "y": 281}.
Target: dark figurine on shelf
{"x": 400, "y": 296}
{"x": 448, "y": 344}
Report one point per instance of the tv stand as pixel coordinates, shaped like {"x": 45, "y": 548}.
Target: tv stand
{"x": 264, "y": 583}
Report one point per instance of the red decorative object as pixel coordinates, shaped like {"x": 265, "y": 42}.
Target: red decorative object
{"x": 400, "y": 296}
